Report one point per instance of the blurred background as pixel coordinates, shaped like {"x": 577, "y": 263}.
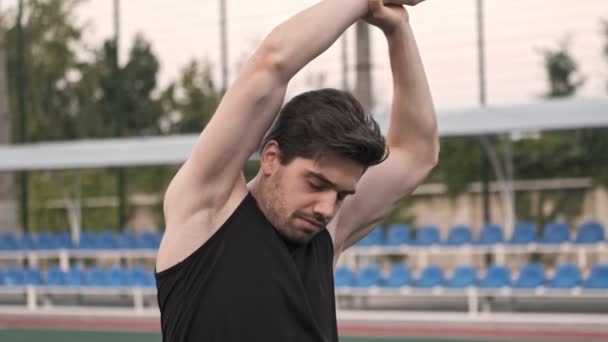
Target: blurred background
{"x": 100, "y": 102}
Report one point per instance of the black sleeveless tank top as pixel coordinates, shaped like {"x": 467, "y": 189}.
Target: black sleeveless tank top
{"x": 247, "y": 284}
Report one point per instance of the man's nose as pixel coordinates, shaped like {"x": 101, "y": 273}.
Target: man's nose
{"x": 325, "y": 207}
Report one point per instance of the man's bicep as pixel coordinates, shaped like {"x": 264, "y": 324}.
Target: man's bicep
{"x": 379, "y": 192}
{"x": 237, "y": 128}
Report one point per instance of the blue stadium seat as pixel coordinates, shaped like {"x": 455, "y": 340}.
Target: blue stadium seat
{"x": 138, "y": 269}
{"x": 530, "y": 276}
{"x": 14, "y": 276}
{"x": 343, "y": 277}
{"x": 496, "y": 276}
{"x": 151, "y": 279}
{"x": 427, "y": 236}
{"x": 96, "y": 277}
{"x": 62, "y": 241}
{"x": 127, "y": 240}
{"x": 87, "y": 241}
{"x": 590, "y": 232}
{"x": 368, "y": 276}
{"x": 523, "y": 234}
{"x": 76, "y": 276}
{"x": 463, "y": 277}
{"x": 54, "y": 277}
{"x": 137, "y": 276}
{"x": 430, "y": 277}
{"x": 598, "y": 278}
{"x": 374, "y": 238}
{"x": 490, "y": 234}
{"x": 459, "y": 235}
{"x": 398, "y": 234}
{"x": 116, "y": 276}
{"x": 31, "y": 276}
{"x": 44, "y": 241}
{"x": 399, "y": 276}
{"x": 152, "y": 240}
{"x": 2, "y": 278}
{"x": 28, "y": 242}
{"x": 8, "y": 241}
{"x": 555, "y": 233}
{"x": 106, "y": 240}
{"x": 566, "y": 276}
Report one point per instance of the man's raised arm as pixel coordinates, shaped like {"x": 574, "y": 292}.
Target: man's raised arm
{"x": 412, "y": 135}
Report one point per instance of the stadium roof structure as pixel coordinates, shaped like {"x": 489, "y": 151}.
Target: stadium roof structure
{"x": 547, "y": 115}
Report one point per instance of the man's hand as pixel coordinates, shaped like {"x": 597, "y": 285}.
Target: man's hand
{"x": 388, "y": 14}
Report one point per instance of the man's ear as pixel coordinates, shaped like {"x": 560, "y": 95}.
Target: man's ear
{"x": 270, "y": 158}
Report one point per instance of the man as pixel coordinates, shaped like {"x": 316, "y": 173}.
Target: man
{"x": 254, "y": 261}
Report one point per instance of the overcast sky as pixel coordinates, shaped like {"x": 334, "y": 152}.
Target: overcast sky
{"x": 515, "y": 31}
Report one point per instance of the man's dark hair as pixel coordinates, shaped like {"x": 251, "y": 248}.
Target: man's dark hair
{"x": 327, "y": 122}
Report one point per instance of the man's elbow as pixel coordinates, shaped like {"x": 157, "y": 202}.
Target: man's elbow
{"x": 427, "y": 157}
{"x": 270, "y": 58}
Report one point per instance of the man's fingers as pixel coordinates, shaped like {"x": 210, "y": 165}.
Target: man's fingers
{"x": 410, "y": 2}
{"x": 402, "y": 2}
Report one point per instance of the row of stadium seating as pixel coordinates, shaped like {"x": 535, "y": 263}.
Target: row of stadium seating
{"x": 136, "y": 276}
{"x": 103, "y": 241}
{"x": 531, "y": 276}
{"x": 566, "y": 276}
{"x": 523, "y": 233}
{"x": 396, "y": 235}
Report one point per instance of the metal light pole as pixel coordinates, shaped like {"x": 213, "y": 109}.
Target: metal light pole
{"x": 485, "y": 164}
{"x": 8, "y": 187}
{"x": 224, "y": 45}
{"x": 22, "y": 108}
{"x": 490, "y": 157}
{"x": 119, "y": 116}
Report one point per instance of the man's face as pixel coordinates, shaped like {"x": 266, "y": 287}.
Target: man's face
{"x": 303, "y": 196}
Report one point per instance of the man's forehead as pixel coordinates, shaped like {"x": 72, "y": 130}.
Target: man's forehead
{"x": 342, "y": 175}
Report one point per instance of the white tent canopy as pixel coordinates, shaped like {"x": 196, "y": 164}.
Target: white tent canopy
{"x": 548, "y": 115}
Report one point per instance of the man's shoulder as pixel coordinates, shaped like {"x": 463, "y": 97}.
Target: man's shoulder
{"x": 185, "y": 235}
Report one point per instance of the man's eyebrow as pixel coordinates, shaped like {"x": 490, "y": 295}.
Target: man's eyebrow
{"x": 324, "y": 179}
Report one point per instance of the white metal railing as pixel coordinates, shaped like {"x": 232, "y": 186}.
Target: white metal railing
{"x": 34, "y": 294}
{"x": 352, "y": 257}
{"x": 473, "y": 296}
{"x": 36, "y": 297}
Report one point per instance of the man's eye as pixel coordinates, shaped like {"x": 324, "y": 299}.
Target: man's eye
{"x": 315, "y": 186}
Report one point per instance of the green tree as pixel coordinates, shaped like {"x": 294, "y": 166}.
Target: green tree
{"x": 554, "y": 154}
{"x": 562, "y": 71}
{"x": 192, "y": 100}
{"x": 52, "y": 38}
{"x": 459, "y": 163}
{"x": 596, "y": 140}
{"x": 100, "y": 94}
{"x": 72, "y": 95}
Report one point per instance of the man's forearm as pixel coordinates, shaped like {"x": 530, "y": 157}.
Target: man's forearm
{"x": 300, "y": 39}
{"x": 413, "y": 124}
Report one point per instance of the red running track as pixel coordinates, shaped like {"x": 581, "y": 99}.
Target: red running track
{"x": 346, "y": 329}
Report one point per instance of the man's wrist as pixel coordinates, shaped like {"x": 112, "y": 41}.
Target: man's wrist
{"x": 399, "y": 32}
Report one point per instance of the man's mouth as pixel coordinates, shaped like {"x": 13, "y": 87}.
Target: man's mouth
{"x": 313, "y": 222}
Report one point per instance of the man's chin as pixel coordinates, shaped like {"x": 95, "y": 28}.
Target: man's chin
{"x": 300, "y": 237}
